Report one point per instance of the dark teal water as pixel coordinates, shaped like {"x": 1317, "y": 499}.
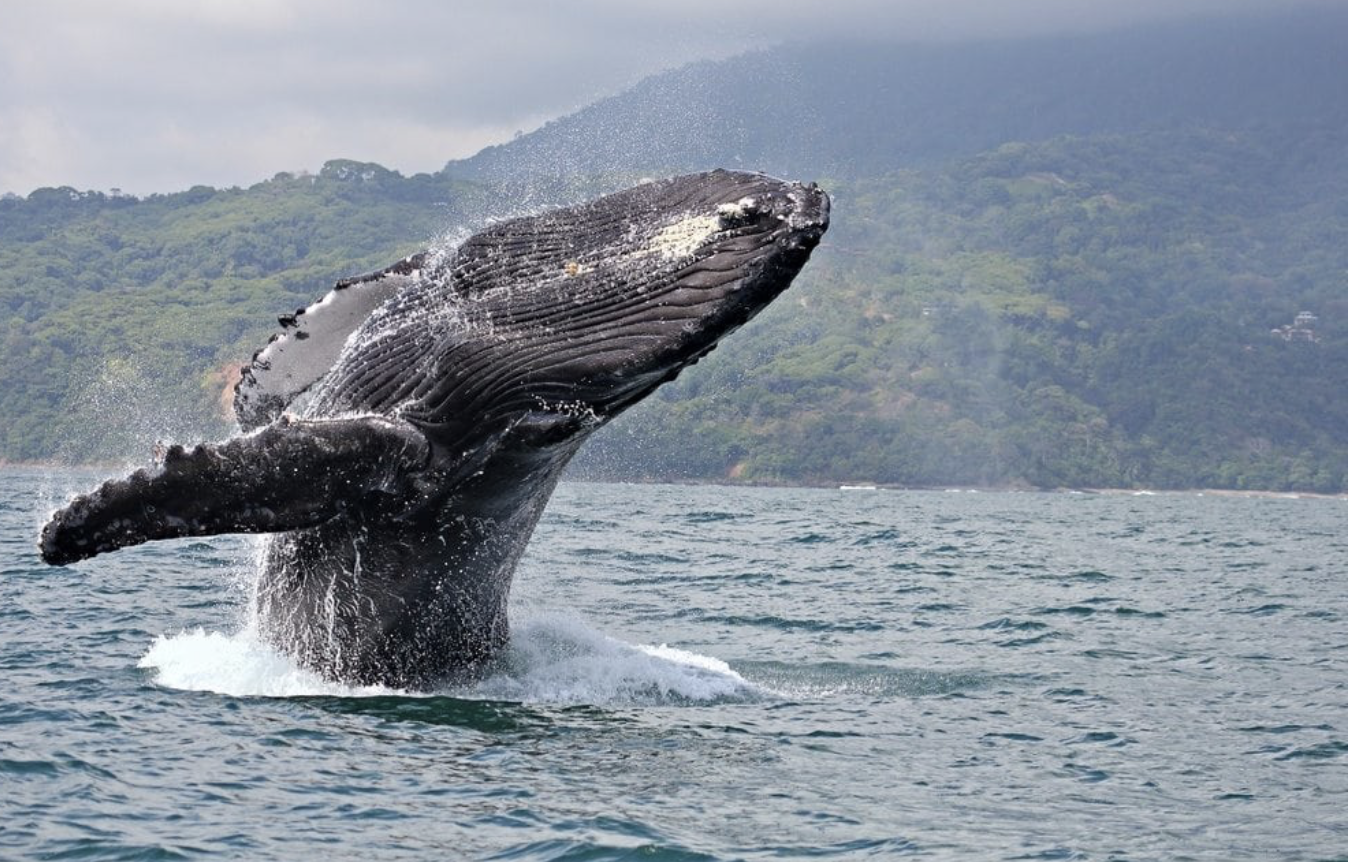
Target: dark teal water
{"x": 710, "y": 673}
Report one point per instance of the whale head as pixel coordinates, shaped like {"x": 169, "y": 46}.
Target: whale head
{"x": 566, "y": 318}
{"x": 714, "y": 251}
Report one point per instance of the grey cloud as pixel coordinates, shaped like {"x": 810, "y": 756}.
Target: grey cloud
{"x": 155, "y": 95}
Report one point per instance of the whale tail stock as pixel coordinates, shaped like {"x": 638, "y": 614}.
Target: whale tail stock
{"x": 288, "y": 475}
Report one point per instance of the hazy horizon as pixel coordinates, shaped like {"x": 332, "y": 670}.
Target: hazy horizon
{"x": 152, "y": 97}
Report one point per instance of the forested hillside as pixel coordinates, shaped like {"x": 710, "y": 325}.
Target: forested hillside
{"x": 1080, "y": 312}
{"x": 123, "y": 314}
{"x": 1052, "y": 264}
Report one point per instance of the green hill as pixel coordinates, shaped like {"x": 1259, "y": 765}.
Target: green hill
{"x": 1052, "y": 263}
{"x": 1080, "y": 312}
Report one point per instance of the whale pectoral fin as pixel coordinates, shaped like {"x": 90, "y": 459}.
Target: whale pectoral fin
{"x": 289, "y": 475}
{"x": 311, "y": 340}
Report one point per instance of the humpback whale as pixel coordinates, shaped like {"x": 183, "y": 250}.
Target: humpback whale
{"x": 401, "y": 437}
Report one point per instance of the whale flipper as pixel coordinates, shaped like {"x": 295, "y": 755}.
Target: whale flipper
{"x": 311, "y": 340}
{"x": 289, "y": 475}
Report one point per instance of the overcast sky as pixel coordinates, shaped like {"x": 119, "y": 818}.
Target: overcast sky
{"x": 160, "y": 95}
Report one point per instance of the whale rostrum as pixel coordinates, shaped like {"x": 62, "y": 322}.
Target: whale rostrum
{"x": 401, "y": 437}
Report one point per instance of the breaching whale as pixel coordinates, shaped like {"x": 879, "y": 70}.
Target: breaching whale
{"x": 402, "y": 435}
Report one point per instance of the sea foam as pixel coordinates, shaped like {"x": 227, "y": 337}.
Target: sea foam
{"x": 551, "y": 659}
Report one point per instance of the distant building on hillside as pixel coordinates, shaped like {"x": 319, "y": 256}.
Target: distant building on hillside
{"x": 1302, "y": 329}
{"x": 938, "y": 309}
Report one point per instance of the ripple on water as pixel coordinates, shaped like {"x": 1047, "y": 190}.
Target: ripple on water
{"x": 563, "y": 850}
{"x": 1007, "y": 623}
{"x": 1171, "y": 710}
{"x": 711, "y": 517}
{"x": 829, "y": 679}
{"x": 1331, "y": 750}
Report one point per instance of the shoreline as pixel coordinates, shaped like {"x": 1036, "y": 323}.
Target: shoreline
{"x": 851, "y": 486}
{"x": 127, "y": 466}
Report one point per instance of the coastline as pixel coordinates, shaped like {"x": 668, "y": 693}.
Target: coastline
{"x": 862, "y": 487}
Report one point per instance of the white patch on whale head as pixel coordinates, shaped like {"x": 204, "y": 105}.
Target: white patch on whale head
{"x": 682, "y": 237}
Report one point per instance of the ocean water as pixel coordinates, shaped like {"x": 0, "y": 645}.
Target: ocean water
{"x": 706, "y": 673}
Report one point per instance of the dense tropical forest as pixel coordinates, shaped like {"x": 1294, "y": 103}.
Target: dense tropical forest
{"x": 1093, "y": 296}
{"x": 1081, "y": 312}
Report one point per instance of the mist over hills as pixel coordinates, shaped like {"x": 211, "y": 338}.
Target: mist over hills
{"x": 1054, "y": 262}
{"x": 840, "y": 109}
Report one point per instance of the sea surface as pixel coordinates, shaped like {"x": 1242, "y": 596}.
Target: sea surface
{"x": 710, "y": 673}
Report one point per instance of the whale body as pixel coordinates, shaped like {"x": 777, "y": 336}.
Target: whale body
{"x": 401, "y": 437}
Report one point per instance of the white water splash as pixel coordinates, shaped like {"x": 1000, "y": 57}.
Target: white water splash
{"x": 558, "y": 659}
{"x": 551, "y": 659}
{"x": 237, "y": 665}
